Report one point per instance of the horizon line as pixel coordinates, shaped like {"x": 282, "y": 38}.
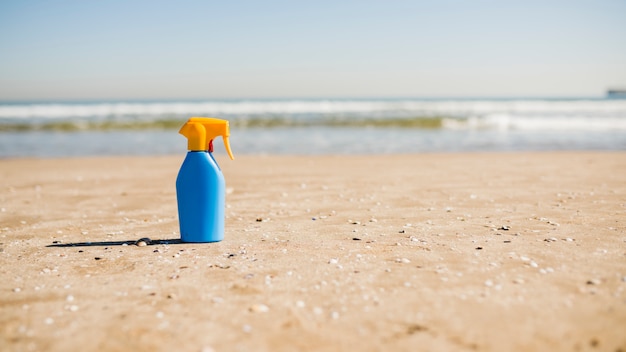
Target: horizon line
{"x": 295, "y": 98}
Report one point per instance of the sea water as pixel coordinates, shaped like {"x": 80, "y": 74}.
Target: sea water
{"x": 316, "y": 126}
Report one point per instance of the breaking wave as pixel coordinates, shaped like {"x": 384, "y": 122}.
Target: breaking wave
{"x": 497, "y": 114}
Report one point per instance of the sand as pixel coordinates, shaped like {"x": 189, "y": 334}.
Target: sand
{"x": 436, "y": 252}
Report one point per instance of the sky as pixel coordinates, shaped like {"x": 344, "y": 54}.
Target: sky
{"x": 130, "y": 49}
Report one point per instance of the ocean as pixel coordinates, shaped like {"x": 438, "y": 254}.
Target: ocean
{"x": 315, "y": 126}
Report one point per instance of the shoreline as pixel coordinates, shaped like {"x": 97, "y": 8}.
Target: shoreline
{"x": 221, "y": 156}
{"x": 480, "y": 251}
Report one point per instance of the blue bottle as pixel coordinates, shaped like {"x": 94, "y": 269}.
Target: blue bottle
{"x": 200, "y": 186}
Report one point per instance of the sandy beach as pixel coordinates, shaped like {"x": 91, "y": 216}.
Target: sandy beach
{"x": 434, "y": 252}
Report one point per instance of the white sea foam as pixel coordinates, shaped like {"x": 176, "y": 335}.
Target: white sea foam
{"x": 159, "y": 109}
{"x": 582, "y": 114}
{"x": 504, "y": 122}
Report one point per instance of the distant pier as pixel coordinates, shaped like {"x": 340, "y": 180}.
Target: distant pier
{"x": 616, "y": 93}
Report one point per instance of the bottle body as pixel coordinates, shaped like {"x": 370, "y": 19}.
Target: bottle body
{"x": 201, "y": 196}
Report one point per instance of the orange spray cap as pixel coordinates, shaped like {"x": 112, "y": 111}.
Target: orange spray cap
{"x": 200, "y": 132}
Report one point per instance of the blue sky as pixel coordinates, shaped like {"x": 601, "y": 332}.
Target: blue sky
{"x": 244, "y": 49}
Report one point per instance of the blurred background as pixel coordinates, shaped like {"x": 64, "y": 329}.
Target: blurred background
{"x": 80, "y": 78}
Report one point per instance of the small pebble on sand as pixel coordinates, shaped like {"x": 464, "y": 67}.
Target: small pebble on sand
{"x": 259, "y": 308}
{"x": 142, "y": 242}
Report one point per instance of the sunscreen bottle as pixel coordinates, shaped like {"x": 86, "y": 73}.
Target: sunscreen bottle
{"x": 200, "y": 186}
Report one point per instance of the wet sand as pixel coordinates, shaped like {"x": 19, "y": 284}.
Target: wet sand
{"x": 438, "y": 252}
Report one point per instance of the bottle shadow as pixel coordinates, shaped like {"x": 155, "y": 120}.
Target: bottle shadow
{"x": 147, "y": 241}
